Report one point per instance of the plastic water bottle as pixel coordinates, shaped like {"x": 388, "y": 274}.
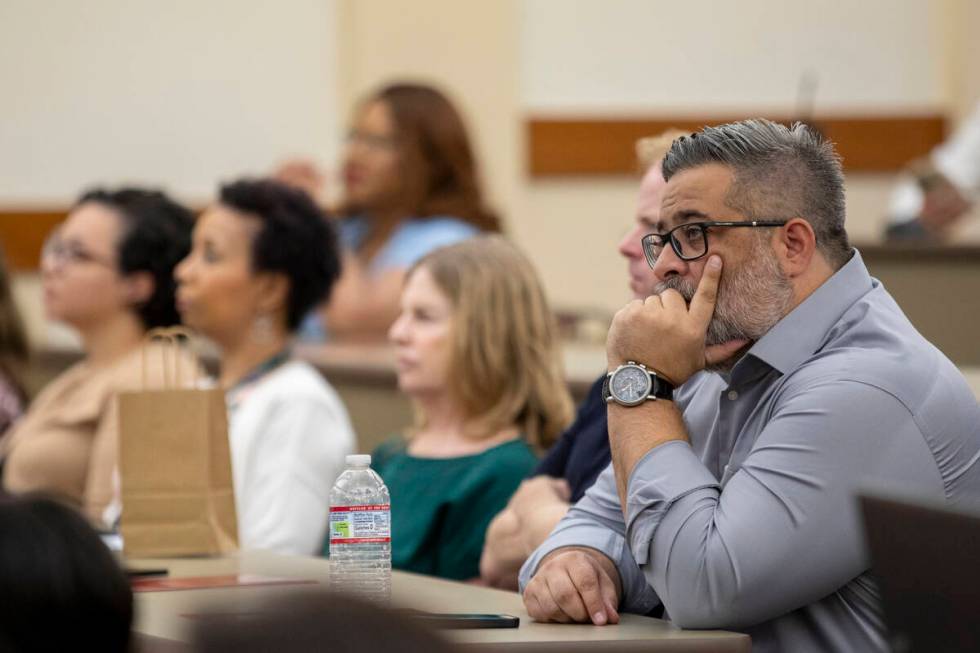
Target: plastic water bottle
{"x": 360, "y": 532}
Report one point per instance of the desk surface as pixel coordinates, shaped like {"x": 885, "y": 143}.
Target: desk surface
{"x": 158, "y": 614}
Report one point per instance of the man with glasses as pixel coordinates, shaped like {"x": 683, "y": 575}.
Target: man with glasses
{"x": 767, "y": 379}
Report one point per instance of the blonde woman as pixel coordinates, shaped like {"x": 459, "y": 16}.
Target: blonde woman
{"x": 477, "y": 352}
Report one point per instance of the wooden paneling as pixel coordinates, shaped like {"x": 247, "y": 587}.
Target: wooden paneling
{"x": 938, "y": 288}
{"x": 604, "y": 146}
{"x": 22, "y": 233}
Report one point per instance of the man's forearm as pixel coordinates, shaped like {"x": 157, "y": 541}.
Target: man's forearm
{"x": 635, "y": 430}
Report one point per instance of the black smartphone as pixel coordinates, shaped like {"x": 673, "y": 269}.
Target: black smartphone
{"x": 465, "y": 621}
{"x": 143, "y": 573}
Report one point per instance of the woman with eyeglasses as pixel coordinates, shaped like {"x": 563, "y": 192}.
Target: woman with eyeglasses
{"x": 410, "y": 185}
{"x": 107, "y": 271}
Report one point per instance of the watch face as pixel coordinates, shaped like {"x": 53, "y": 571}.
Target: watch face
{"x": 630, "y": 384}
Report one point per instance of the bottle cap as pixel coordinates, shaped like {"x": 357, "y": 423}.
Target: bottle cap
{"x": 359, "y": 460}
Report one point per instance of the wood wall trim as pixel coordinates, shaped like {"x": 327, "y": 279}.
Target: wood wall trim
{"x": 22, "y": 233}
{"x": 918, "y": 255}
{"x": 605, "y": 146}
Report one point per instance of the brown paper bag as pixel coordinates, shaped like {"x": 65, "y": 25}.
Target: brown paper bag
{"x": 174, "y": 464}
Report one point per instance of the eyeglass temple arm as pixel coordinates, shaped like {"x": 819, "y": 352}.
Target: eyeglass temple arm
{"x": 747, "y": 223}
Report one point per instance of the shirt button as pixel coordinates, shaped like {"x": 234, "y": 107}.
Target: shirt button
{"x": 732, "y": 395}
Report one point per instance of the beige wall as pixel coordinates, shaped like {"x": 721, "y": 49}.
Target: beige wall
{"x": 470, "y": 49}
{"x": 704, "y": 55}
{"x": 179, "y": 94}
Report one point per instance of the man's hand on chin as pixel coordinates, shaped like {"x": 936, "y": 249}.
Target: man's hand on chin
{"x": 667, "y": 335}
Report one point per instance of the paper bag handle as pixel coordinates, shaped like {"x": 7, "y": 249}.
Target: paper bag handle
{"x": 170, "y": 354}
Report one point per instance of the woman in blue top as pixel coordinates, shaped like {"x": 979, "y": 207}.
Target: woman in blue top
{"x": 477, "y": 352}
{"x": 410, "y": 186}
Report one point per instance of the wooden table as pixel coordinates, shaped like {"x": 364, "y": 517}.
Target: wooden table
{"x": 159, "y": 619}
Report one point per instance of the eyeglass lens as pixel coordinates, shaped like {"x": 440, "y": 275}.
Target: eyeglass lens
{"x": 688, "y": 241}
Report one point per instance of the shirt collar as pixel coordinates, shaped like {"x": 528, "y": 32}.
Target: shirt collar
{"x": 802, "y": 332}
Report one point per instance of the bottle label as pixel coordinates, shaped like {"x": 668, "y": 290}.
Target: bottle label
{"x": 360, "y": 524}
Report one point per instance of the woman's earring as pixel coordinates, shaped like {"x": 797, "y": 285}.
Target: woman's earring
{"x": 263, "y": 329}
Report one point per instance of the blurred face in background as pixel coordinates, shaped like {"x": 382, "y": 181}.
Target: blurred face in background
{"x": 217, "y": 291}
{"x": 422, "y": 336}
{"x": 79, "y": 267}
{"x": 642, "y": 281}
{"x": 372, "y": 178}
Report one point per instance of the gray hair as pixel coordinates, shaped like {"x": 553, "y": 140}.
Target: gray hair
{"x": 779, "y": 173}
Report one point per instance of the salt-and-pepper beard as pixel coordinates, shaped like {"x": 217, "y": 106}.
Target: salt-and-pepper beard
{"x": 752, "y": 298}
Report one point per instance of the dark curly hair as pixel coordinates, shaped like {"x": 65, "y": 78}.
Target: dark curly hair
{"x": 156, "y": 237}
{"x": 294, "y": 239}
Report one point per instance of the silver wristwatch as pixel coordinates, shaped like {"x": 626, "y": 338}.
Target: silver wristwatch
{"x": 632, "y": 384}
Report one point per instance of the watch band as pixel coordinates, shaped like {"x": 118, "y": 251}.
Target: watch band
{"x": 659, "y": 388}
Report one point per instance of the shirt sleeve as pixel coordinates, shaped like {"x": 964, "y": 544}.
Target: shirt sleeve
{"x": 959, "y": 157}
{"x": 288, "y": 477}
{"x": 784, "y": 531}
{"x": 596, "y": 522}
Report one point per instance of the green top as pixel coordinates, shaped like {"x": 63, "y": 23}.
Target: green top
{"x": 441, "y": 507}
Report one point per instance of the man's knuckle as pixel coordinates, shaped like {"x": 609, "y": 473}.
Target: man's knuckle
{"x": 588, "y": 583}
{"x": 564, "y": 595}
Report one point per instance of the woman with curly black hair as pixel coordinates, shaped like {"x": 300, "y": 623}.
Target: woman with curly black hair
{"x": 262, "y": 257}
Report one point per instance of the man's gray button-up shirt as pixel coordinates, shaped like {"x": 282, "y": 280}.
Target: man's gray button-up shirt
{"x": 753, "y": 526}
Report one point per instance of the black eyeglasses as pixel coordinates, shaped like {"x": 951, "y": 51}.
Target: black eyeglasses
{"x": 690, "y": 241}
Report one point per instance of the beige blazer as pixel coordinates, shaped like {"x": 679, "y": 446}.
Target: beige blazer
{"x": 68, "y": 440}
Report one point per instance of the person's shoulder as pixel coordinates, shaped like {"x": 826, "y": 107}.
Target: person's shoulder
{"x": 77, "y": 395}
{"x": 416, "y": 237}
{"x": 300, "y": 373}
{"x": 295, "y": 387}
{"x": 442, "y": 223}
{"x": 874, "y": 349}
{"x": 385, "y": 452}
{"x": 435, "y": 230}
{"x": 155, "y": 366}
{"x": 497, "y": 471}
{"x": 514, "y": 454}
{"x": 296, "y": 379}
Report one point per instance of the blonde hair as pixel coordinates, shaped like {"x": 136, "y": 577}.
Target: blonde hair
{"x": 651, "y": 150}
{"x": 505, "y": 367}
